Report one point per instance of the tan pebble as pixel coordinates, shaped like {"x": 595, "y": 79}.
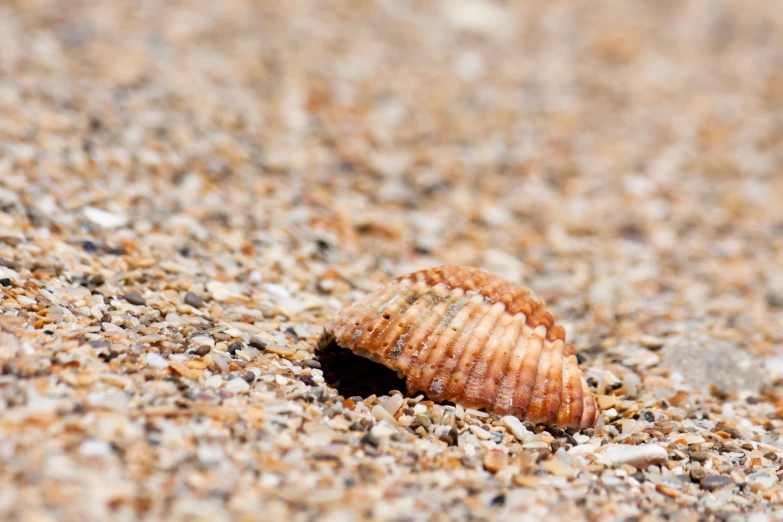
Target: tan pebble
{"x": 653, "y": 343}
{"x": 495, "y": 460}
{"x": 669, "y": 492}
{"x": 142, "y": 262}
{"x": 679, "y": 399}
{"x": 280, "y": 350}
{"x": 474, "y": 338}
{"x": 526, "y": 481}
{"x": 184, "y": 371}
{"x": 115, "y": 380}
{"x": 380, "y": 413}
{"x": 606, "y": 401}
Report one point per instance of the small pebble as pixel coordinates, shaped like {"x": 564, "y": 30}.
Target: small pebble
{"x": 370, "y": 440}
{"x": 193, "y": 300}
{"x": 639, "y": 456}
{"x": 237, "y": 385}
{"x": 393, "y": 403}
{"x": 202, "y": 350}
{"x": 713, "y": 482}
{"x": 515, "y": 426}
{"x": 312, "y": 363}
{"x": 650, "y": 342}
{"x": 698, "y": 456}
{"x": 495, "y": 460}
{"x": 134, "y": 299}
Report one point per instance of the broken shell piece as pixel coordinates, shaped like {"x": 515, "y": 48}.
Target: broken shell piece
{"x": 471, "y": 337}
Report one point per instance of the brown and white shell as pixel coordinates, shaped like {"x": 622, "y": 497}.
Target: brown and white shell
{"x": 471, "y": 337}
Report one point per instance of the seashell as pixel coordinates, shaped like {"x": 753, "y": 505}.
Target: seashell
{"x": 474, "y": 338}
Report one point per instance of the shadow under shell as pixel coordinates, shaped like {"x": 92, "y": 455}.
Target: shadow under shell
{"x": 352, "y": 375}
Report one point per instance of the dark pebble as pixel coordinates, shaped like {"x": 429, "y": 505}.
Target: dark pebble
{"x": 97, "y": 280}
{"x": 649, "y": 416}
{"x": 357, "y": 426}
{"x": 451, "y": 437}
{"x": 233, "y": 347}
{"x": 202, "y": 350}
{"x": 697, "y": 474}
{"x": 193, "y": 300}
{"x": 728, "y": 429}
{"x": 249, "y": 377}
{"x": 89, "y": 246}
{"x": 257, "y": 343}
{"x": 698, "y": 456}
{"x": 115, "y": 251}
{"x": 639, "y": 476}
{"x": 499, "y": 500}
{"x": 771, "y": 456}
{"x": 135, "y": 299}
{"x": 370, "y": 440}
{"x": 6, "y": 281}
{"x": 8, "y": 263}
{"x": 106, "y": 357}
{"x": 714, "y": 482}
{"x": 775, "y": 299}
{"x": 79, "y": 280}
{"x": 307, "y": 380}
{"x": 311, "y": 363}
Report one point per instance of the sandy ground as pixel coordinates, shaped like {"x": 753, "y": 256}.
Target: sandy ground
{"x": 190, "y": 191}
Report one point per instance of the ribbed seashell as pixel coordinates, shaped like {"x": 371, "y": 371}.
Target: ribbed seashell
{"x": 471, "y": 337}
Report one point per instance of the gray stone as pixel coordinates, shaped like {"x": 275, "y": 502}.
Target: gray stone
{"x": 704, "y": 361}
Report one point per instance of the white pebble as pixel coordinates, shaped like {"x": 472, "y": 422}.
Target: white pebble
{"x": 380, "y": 413}
{"x": 479, "y": 432}
{"x": 155, "y": 360}
{"x": 236, "y": 385}
{"x": 202, "y": 340}
{"x": 104, "y": 219}
{"x": 393, "y": 404}
{"x": 383, "y": 429}
{"x": 215, "y": 381}
{"x": 639, "y": 456}
{"x": 515, "y": 426}
{"x": 95, "y": 448}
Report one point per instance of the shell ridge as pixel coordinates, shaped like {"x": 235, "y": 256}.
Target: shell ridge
{"x": 396, "y": 315}
{"x": 394, "y": 337}
{"x": 479, "y": 344}
{"x": 419, "y": 339}
{"x": 366, "y": 318}
{"x": 589, "y": 413}
{"x": 571, "y": 399}
{"x": 537, "y": 397}
{"x": 479, "y": 365}
{"x": 428, "y": 366}
{"x": 527, "y": 375}
{"x": 429, "y": 345}
{"x": 505, "y": 393}
{"x": 448, "y": 369}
